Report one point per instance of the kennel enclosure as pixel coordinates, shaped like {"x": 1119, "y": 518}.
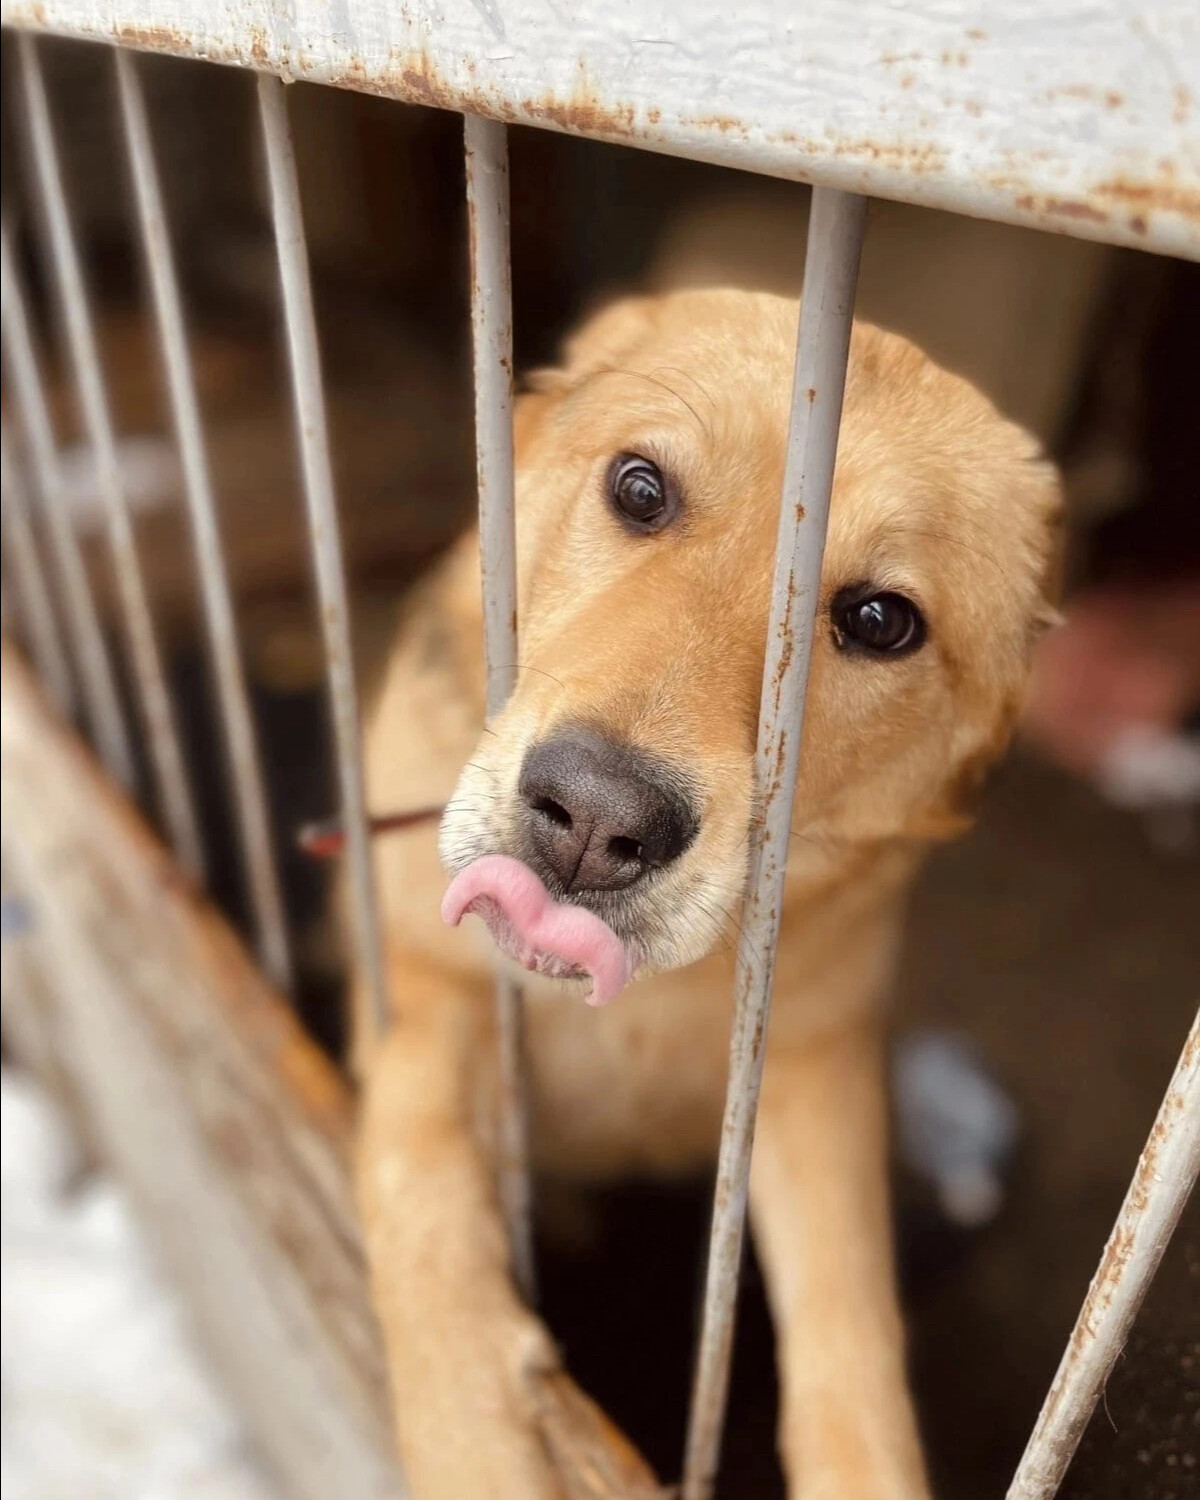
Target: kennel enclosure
{"x": 1073, "y": 118}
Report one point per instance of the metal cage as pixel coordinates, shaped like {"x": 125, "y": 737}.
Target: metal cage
{"x": 955, "y": 111}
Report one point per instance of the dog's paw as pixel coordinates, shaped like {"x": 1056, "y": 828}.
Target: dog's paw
{"x": 492, "y": 1412}
{"x": 593, "y": 1457}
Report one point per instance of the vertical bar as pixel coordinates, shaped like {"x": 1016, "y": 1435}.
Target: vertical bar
{"x": 165, "y": 749}
{"x": 92, "y": 660}
{"x": 313, "y": 434}
{"x": 835, "y": 240}
{"x": 1166, "y": 1173}
{"x": 21, "y": 547}
{"x": 485, "y": 145}
{"x": 236, "y": 718}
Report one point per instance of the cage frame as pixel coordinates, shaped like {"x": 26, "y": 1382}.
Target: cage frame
{"x": 1128, "y": 173}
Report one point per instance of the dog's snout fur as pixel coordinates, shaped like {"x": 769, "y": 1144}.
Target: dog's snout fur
{"x": 598, "y": 815}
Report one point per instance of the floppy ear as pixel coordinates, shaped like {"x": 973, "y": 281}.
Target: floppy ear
{"x": 984, "y": 735}
{"x": 604, "y": 340}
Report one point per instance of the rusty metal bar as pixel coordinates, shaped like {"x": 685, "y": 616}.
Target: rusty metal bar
{"x": 166, "y": 751}
{"x": 1166, "y": 1173}
{"x": 312, "y": 430}
{"x": 20, "y": 547}
{"x": 92, "y": 661}
{"x": 241, "y": 742}
{"x": 486, "y": 149}
{"x": 835, "y": 240}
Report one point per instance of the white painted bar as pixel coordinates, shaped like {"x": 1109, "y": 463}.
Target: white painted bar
{"x": 1080, "y": 116}
{"x": 835, "y": 239}
{"x": 92, "y": 662}
{"x": 486, "y": 150}
{"x": 1166, "y": 1173}
{"x": 313, "y": 434}
{"x": 20, "y": 547}
{"x": 154, "y": 699}
{"x": 237, "y": 721}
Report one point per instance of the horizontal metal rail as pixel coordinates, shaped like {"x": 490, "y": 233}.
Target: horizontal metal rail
{"x": 313, "y": 434}
{"x": 237, "y": 722}
{"x": 154, "y": 698}
{"x": 1079, "y": 117}
{"x": 835, "y": 239}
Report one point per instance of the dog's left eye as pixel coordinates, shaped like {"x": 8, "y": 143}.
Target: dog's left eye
{"x": 883, "y": 624}
{"x": 641, "y": 493}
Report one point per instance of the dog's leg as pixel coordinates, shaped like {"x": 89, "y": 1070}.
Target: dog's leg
{"x": 482, "y": 1405}
{"x": 820, "y": 1211}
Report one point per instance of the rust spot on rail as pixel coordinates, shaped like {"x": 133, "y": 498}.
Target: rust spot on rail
{"x": 151, "y": 38}
{"x": 1062, "y": 208}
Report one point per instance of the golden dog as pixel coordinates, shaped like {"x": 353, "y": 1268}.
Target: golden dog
{"x": 601, "y": 825}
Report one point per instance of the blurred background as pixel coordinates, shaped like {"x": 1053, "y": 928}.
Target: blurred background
{"x": 1059, "y": 940}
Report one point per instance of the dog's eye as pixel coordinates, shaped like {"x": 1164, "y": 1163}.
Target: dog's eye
{"x": 641, "y": 493}
{"x": 884, "y": 624}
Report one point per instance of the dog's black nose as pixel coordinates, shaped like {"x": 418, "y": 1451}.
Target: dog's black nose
{"x": 598, "y": 815}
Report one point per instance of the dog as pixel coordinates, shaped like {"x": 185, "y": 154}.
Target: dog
{"x": 601, "y": 827}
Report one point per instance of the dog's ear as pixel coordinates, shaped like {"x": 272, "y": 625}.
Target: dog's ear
{"x": 995, "y": 695}
{"x": 603, "y": 341}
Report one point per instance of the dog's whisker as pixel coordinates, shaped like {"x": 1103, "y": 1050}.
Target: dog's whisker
{"x": 662, "y": 386}
{"x": 522, "y": 666}
{"x": 937, "y": 535}
{"x": 687, "y": 375}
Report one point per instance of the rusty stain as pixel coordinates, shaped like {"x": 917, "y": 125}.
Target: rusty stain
{"x": 148, "y": 38}
{"x": 724, "y": 123}
{"x": 1154, "y": 197}
{"x": 1082, "y": 91}
{"x": 1063, "y": 208}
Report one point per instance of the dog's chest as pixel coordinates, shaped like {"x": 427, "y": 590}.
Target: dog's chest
{"x": 635, "y": 1087}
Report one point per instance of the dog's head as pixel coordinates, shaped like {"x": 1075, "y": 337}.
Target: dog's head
{"x": 617, "y": 786}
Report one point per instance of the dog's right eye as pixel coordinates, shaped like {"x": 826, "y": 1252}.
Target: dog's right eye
{"x": 641, "y": 493}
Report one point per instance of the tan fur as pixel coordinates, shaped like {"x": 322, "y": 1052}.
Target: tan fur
{"x": 660, "y": 639}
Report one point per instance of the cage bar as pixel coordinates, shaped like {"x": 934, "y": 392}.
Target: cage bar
{"x": 835, "y": 238}
{"x": 485, "y": 145}
{"x": 166, "y": 751}
{"x": 313, "y": 433}
{"x": 1164, "y": 1178}
{"x": 237, "y": 720}
{"x": 92, "y": 661}
{"x": 21, "y": 549}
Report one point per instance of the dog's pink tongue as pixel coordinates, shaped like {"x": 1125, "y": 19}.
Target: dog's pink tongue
{"x": 548, "y": 936}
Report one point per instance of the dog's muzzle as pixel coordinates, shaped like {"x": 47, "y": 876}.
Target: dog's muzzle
{"x": 594, "y": 818}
